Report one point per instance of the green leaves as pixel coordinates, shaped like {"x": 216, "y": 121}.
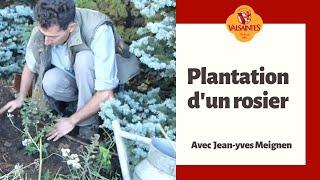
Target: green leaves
{"x": 32, "y": 115}
{"x": 87, "y": 4}
{"x": 31, "y": 149}
{"x": 105, "y": 157}
{"x": 114, "y": 8}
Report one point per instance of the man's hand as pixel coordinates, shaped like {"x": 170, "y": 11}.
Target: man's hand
{"x": 61, "y": 128}
{"x": 12, "y": 105}
{"x": 65, "y": 125}
{"x": 26, "y": 82}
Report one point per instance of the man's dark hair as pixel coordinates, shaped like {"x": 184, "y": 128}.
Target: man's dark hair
{"x": 54, "y": 12}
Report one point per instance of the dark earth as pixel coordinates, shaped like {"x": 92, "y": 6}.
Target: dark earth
{"x": 12, "y": 151}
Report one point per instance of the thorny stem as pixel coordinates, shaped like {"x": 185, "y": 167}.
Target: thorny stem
{"x": 111, "y": 139}
{"x": 30, "y": 137}
{"x": 40, "y": 159}
{"x": 55, "y": 177}
{"x": 11, "y": 172}
{"x": 98, "y": 170}
{"x": 9, "y": 115}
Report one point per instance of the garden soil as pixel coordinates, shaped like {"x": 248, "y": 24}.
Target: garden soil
{"x": 12, "y": 151}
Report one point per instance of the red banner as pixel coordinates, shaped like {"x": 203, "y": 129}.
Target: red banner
{"x": 272, "y": 11}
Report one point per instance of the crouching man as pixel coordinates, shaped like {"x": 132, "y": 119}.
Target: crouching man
{"x": 70, "y": 60}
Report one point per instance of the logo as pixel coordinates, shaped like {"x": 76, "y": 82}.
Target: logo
{"x": 244, "y": 23}
{"x": 244, "y": 17}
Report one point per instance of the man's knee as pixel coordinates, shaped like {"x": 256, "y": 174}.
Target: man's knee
{"x": 50, "y": 81}
{"x": 56, "y": 84}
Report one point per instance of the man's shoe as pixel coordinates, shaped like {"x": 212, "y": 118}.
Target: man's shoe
{"x": 86, "y": 132}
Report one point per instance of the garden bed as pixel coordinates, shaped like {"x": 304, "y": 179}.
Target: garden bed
{"x": 12, "y": 152}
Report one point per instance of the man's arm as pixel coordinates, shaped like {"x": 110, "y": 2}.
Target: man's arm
{"x": 25, "y": 85}
{"x": 26, "y": 82}
{"x": 92, "y": 107}
{"x": 105, "y": 80}
{"x": 65, "y": 125}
